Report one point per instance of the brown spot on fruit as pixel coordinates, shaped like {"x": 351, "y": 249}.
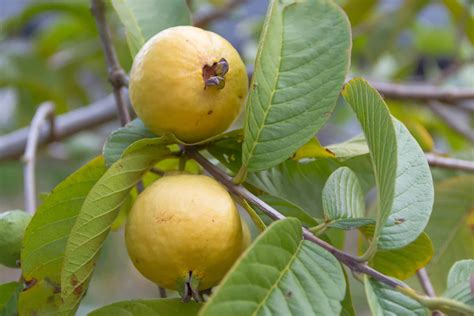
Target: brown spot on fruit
{"x": 210, "y": 112}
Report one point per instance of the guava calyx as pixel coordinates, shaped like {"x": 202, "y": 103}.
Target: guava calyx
{"x": 214, "y": 75}
{"x": 187, "y": 288}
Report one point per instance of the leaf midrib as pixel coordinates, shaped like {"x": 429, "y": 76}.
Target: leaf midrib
{"x": 282, "y": 273}
{"x": 266, "y": 111}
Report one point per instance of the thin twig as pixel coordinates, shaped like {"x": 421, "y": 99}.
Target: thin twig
{"x": 427, "y": 286}
{"x": 350, "y": 261}
{"x": 44, "y": 112}
{"x": 461, "y": 129}
{"x": 422, "y": 92}
{"x": 425, "y": 282}
{"x": 205, "y": 19}
{"x": 449, "y": 163}
{"x": 117, "y": 76}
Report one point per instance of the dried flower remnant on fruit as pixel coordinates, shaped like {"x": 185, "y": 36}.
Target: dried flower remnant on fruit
{"x": 213, "y": 75}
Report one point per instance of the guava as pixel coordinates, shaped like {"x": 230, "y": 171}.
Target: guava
{"x": 12, "y": 230}
{"x": 189, "y": 82}
{"x": 182, "y": 226}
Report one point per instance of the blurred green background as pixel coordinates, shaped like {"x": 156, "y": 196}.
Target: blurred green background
{"x": 50, "y": 50}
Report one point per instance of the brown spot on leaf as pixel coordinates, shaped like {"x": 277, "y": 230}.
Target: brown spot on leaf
{"x": 56, "y": 286}
{"x": 74, "y": 280}
{"x": 78, "y": 290}
{"x": 399, "y": 221}
{"x": 30, "y": 283}
{"x": 288, "y": 294}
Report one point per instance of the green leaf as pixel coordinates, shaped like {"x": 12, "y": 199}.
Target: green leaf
{"x": 353, "y": 147}
{"x": 414, "y": 193}
{"x": 46, "y": 236}
{"x": 281, "y": 274}
{"x": 143, "y": 19}
{"x": 347, "y": 305}
{"x": 299, "y": 70}
{"x": 97, "y": 214}
{"x": 9, "y": 298}
{"x": 312, "y": 149}
{"x": 162, "y": 307}
{"x": 376, "y": 122}
{"x": 460, "y": 278}
{"x": 228, "y": 151}
{"x": 288, "y": 209}
{"x": 460, "y": 272}
{"x": 450, "y": 228}
{"x": 123, "y": 137}
{"x": 384, "y": 300}
{"x": 350, "y": 223}
{"x": 402, "y": 263}
{"x": 342, "y": 196}
{"x": 299, "y": 183}
{"x": 302, "y": 182}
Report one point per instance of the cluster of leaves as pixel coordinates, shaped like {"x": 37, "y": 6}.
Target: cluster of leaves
{"x": 301, "y": 65}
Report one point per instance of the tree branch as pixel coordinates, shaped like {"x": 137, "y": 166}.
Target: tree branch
{"x": 461, "y": 129}
{"x": 44, "y": 112}
{"x": 449, "y": 163}
{"x": 350, "y": 261}
{"x": 205, "y": 19}
{"x": 13, "y": 145}
{"x": 423, "y": 92}
{"x": 117, "y": 76}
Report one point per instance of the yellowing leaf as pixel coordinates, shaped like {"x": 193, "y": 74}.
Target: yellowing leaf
{"x": 313, "y": 149}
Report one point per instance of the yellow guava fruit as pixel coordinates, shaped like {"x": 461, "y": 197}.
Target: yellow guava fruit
{"x": 184, "y": 225}
{"x": 12, "y": 230}
{"x": 189, "y": 82}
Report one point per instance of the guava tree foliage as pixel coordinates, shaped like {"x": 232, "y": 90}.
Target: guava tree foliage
{"x": 303, "y": 197}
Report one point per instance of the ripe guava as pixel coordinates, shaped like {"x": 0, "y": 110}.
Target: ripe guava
{"x": 12, "y": 230}
{"x": 184, "y": 225}
{"x": 189, "y": 82}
